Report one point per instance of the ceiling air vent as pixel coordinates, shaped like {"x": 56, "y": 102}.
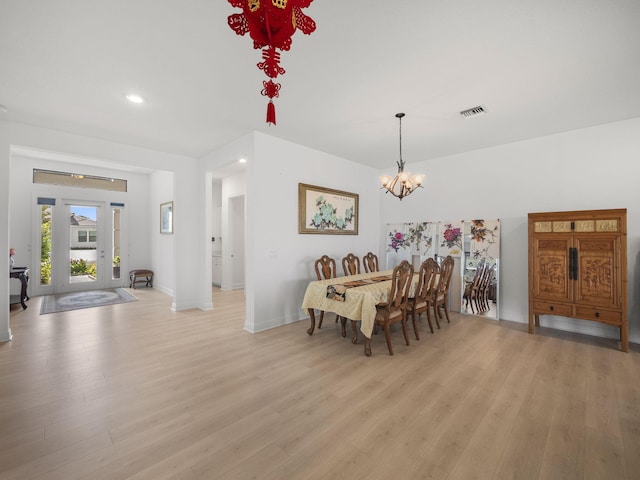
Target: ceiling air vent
{"x": 472, "y": 112}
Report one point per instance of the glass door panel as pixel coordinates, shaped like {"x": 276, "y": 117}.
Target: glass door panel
{"x": 115, "y": 242}
{"x": 83, "y": 244}
{"x": 46, "y": 244}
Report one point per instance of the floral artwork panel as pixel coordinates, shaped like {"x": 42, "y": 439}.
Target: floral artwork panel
{"x": 451, "y": 241}
{"x": 398, "y": 237}
{"x": 421, "y": 238}
{"x": 328, "y": 211}
{"x": 485, "y": 240}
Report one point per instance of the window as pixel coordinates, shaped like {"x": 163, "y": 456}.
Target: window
{"x": 92, "y": 236}
{"x": 45, "y": 240}
{"x": 68, "y": 179}
{"x": 82, "y": 235}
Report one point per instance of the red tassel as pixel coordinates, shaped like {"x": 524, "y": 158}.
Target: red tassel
{"x": 271, "y": 113}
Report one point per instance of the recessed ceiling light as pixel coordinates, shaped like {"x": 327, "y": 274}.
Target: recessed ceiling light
{"x": 243, "y": 160}
{"x": 135, "y": 98}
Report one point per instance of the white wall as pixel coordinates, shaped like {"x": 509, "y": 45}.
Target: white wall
{"x": 163, "y": 256}
{"x": 593, "y": 168}
{"x": 279, "y": 260}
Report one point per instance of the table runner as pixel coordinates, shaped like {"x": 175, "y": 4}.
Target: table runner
{"x": 338, "y": 292}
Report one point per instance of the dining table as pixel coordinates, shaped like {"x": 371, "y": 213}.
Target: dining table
{"x": 352, "y": 297}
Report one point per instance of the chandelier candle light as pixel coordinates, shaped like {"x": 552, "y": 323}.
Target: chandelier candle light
{"x": 403, "y": 184}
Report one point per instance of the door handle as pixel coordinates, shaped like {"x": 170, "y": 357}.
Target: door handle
{"x": 571, "y": 264}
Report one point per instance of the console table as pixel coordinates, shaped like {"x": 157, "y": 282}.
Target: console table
{"x": 22, "y": 274}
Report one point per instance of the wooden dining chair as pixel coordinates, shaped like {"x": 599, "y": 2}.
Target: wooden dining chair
{"x": 485, "y": 286}
{"x": 419, "y": 303}
{"x": 325, "y": 268}
{"x": 472, "y": 288}
{"x": 440, "y": 296}
{"x": 370, "y": 262}
{"x": 395, "y": 309}
{"x": 351, "y": 264}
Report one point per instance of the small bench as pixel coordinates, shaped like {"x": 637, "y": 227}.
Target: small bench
{"x": 140, "y": 276}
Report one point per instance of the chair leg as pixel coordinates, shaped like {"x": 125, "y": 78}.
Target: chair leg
{"x": 415, "y": 327}
{"x": 446, "y": 310}
{"x": 429, "y": 320}
{"x": 404, "y": 331}
{"x": 387, "y": 334}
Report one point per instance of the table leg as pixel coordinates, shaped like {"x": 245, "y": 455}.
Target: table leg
{"x": 354, "y": 329}
{"x": 343, "y": 326}
{"x": 312, "y": 318}
{"x": 367, "y": 346}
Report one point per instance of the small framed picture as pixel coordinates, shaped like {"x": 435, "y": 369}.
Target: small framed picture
{"x": 166, "y": 217}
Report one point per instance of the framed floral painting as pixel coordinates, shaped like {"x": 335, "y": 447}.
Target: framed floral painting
{"x": 328, "y": 211}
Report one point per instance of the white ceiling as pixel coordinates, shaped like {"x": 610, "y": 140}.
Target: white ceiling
{"x": 538, "y": 67}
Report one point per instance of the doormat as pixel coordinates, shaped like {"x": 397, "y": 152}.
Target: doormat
{"x": 62, "y": 302}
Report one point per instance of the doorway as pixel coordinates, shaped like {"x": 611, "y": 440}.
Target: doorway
{"x": 236, "y": 244}
{"x": 80, "y": 245}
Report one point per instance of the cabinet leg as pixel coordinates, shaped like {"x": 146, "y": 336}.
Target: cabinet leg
{"x": 624, "y": 337}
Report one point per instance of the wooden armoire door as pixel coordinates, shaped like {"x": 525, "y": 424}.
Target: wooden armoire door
{"x": 551, "y": 268}
{"x": 598, "y": 271}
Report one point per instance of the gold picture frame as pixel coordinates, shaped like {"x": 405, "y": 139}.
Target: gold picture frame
{"x": 327, "y": 211}
{"x": 166, "y": 217}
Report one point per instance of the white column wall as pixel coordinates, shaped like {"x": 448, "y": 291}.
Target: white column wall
{"x": 592, "y": 168}
{"x": 5, "y": 328}
{"x": 162, "y": 245}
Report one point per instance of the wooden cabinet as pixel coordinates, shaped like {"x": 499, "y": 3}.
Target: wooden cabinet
{"x": 578, "y": 267}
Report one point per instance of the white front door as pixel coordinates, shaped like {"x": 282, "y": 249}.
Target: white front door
{"x": 80, "y": 260}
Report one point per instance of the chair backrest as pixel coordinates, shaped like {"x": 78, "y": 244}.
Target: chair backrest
{"x": 400, "y": 285}
{"x": 325, "y": 267}
{"x": 351, "y": 264}
{"x": 446, "y": 272}
{"x": 477, "y": 278}
{"x": 370, "y": 261}
{"x": 426, "y": 279}
{"x": 487, "y": 278}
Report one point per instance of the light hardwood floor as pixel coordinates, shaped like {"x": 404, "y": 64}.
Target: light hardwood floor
{"x": 135, "y": 391}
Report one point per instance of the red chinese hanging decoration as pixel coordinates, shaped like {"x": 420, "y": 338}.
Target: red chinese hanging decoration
{"x": 271, "y": 23}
